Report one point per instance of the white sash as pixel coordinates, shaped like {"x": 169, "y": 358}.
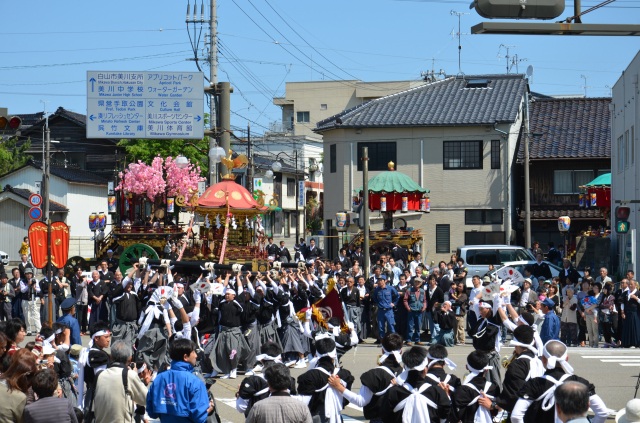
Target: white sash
{"x": 386, "y": 369}
{"x": 536, "y": 368}
{"x": 332, "y": 398}
{"x": 150, "y": 313}
{"x": 547, "y": 398}
{"x": 416, "y": 406}
{"x": 482, "y": 414}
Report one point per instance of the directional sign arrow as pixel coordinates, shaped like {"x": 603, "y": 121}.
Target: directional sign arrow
{"x": 198, "y": 118}
{"x": 92, "y": 117}
{"x": 93, "y": 81}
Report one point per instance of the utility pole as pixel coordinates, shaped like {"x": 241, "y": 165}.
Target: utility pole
{"x": 213, "y": 82}
{"x": 459, "y": 34}
{"x": 365, "y": 210}
{"x": 224, "y": 92}
{"x": 250, "y": 157}
{"x": 527, "y": 182}
{"x": 45, "y": 199}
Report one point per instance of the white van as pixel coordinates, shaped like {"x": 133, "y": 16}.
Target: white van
{"x": 477, "y": 258}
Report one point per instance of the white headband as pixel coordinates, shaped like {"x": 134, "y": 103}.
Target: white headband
{"x": 57, "y": 332}
{"x": 484, "y": 304}
{"x": 552, "y": 360}
{"x": 386, "y": 354}
{"x": 314, "y": 362}
{"x": 178, "y": 285}
{"x": 450, "y": 364}
{"x": 267, "y": 357}
{"x": 142, "y": 368}
{"x": 322, "y": 335}
{"x": 532, "y": 346}
{"x": 230, "y": 291}
{"x": 402, "y": 377}
{"x": 474, "y": 372}
{"x": 100, "y": 333}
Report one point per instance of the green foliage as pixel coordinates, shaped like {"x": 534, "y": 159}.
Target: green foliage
{"x": 13, "y": 155}
{"x": 145, "y": 150}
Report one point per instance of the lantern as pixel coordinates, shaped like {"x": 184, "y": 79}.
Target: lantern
{"x": 594, "y": 198}
{"x": 405, "y": 204}
{"x": 581, "y": 200}
{"x": 383, "y": 203}
{"x": 564, "y": 223}
{"x": 111, "y": 204}
{"x": 423, "y": 205}
{"x": 171, "y": 205}
{"x": 92, "y": 221}
{"x": 101, "y": 221}
{"x": 341, "y": 221}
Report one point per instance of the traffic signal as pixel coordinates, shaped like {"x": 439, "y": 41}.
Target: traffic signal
{"x": 622, "y": 222}
{"x": 10, "y": 123}
{"x": 519, "y": 9}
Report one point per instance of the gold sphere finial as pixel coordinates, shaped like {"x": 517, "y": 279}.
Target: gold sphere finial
{"x": 391, "y": 166}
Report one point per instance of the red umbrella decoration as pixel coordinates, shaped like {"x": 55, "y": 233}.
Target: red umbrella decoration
{"x": 392, "y": 191}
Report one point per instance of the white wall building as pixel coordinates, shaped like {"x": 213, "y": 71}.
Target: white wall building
{"x": 625, "y": 167}
{"x": 74, "y": 194}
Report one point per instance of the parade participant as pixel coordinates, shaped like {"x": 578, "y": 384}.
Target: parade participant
{"x": 439, "y": 357}
{"x": 269, "y": 299}
{"x": 45, "y": 284}
{"x": 112, "y": 262}
{"x": 127, "y": 310}
{"x": 536, "y": 398}
{"x": 230, "y": 346}
{"x": 350, "y": 297}
{"x": 415, "y": 399}
{"x": 485, "y": 336}
{"x": 97, "y": 291}
{"x": 68, "y": 307}
{"x": 177, "y": 395}
{"x": 279, "y": 407}
{"x": 250, "y": 324}
{"x": 62, "y": 364}
{"x": 256, "y": 388}
{"x": 93, "y": 359}
{"x": 293, "y": 344}
{"x": 155, "y": 329}
{"x": 523, "y": 365}
{"x": 31, "y": 301}
{"x": 283, "y": 255}
{"x": 375, "y": 382}
{"x": 465, "y": 406}
{"x": 325, "y": 403}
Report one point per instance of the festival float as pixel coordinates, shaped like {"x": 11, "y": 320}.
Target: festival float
{"x": 392, "y": 192}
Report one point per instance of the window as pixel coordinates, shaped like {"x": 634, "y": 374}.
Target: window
{"x": 302, "y": 117}
{"x": 483, "y": 217}
{"x": 569, "y": 181}
{"x": 484, "y": 238}
{"x": 333, "y": 166}
{"x": 291, "y": 187}
{"x": 323, "y": 106}
{"x": 462, "y": 155}
{"x": 621, "y": 157}
{"x": 632, "y": 144}
{"x": 495, "y": 154}
{"x": 443, "y": 238}
{"x": 380, "y": 154}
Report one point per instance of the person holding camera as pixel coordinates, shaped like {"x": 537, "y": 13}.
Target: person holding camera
{"x": 31, "y": 301}
{"x": 118, "y": 388}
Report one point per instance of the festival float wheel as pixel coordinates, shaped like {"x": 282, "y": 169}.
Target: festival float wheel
{"x": 132, "y": 253}
{"x": 72, "y": 262}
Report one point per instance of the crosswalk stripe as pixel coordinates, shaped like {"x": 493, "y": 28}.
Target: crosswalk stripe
{"x": 630, "y": 364}
{"x": 611, "y": 356}
{"x": 621, "y": 360}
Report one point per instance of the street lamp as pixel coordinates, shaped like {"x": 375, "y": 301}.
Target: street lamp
{"x": 216, "y": 153}
{"x": 277, "y": 167}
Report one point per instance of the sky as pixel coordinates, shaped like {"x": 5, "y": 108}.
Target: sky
{"x": 48, "y": 47}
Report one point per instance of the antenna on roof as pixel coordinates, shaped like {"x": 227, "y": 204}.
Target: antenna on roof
{"x": 459, "y": 34}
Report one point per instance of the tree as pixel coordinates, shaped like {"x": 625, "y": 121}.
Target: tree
{"x": 12, "y": 154}
{"x": 145, "y": 150}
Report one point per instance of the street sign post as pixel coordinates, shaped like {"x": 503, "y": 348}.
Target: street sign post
{"x": 152, "y": 105}
{"x": 35, "y": 213}
{"x": 35, "y": 200}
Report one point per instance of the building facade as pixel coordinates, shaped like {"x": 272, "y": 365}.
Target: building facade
{"x": 625, "y": 169}
{"x": 457, "y": 137}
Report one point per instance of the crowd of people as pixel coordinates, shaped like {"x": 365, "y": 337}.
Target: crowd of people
{"x": 159, "y": 336}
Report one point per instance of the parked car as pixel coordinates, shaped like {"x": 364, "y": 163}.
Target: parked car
{"x": 4, "y": 258}
{"x": 520, "y": 265}
{"x": 477, "y": 258}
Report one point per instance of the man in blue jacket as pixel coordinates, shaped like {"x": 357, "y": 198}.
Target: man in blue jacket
{"x": 177, "y": 395}
{"x": 551, "y": 325}
{"x": 385, "y": 297}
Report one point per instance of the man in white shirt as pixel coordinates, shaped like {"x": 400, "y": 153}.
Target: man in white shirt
{"x": 417, "y": 259}
{"x": 477, "y": 287}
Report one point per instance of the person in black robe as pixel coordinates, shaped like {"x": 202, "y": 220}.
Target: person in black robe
{"x": 485, "y": 335}
{"x": 97, "y": 290}
{"x": 536, "y": 398}
{"x": 269, "y": 298}
{"x": 313, "y": 384}
{"x": 256, "y": 388}
{"x": 93, "y": 359}
{"x": 375, "y": 382}
{"x": 439, "y": 357}
{"x": 465, "y": 407}
{"x": 128, "y": 309}
{"x": 397, "y": 407}
{"x": 524, "y": 366}
{"x": 283, "y": 255}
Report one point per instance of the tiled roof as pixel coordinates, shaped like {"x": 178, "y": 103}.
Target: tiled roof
{"x": 69, "y": 174}
{"x": 76, "y": 117}
{"x": 29, "y": 119}
{"x": 25, "y": 193}
{"x": 571, "y": 128}
{"x": 443, "y": 103}
{"x": 554, "y": 214}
